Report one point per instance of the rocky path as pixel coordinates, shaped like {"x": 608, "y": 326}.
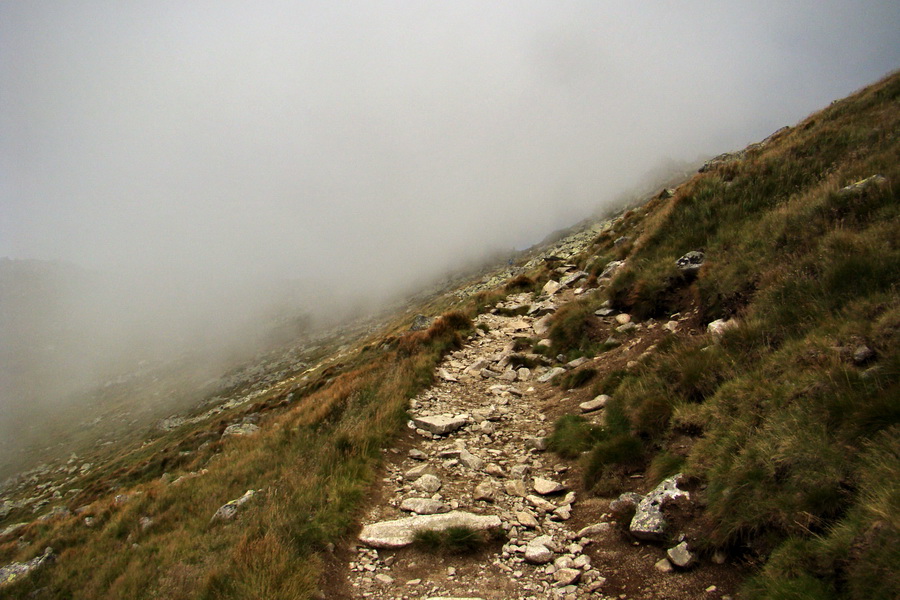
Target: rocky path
{"x": 475, "y": 458}
{"x": 478, "y": 462}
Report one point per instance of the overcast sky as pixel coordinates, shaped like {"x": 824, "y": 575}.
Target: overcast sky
{"x": 379, "y": 139}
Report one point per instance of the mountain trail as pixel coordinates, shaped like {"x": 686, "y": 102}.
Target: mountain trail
{"x": 475, "y": 457}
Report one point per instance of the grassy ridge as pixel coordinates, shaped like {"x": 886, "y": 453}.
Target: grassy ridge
{"x": 310, "y": 465}
{"x": 797, "y": 434}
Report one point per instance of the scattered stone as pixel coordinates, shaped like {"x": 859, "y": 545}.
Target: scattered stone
{"x": 537, "y": 554}
{"x": 240, "y": 429}
{"x": 593, "y": 530}
{"x": 595, "y": 404}
{"x": 446, "y": 376}
{"x": 718, "y": 327}
{"x": 16, "y": 570}
{"x": 574, "y": 364}
{"x": 623, "y": 318}
{"x": 420, "y": 323}
{"x": 545, "y": 487}
{"x": 691, "y": 262}
{"x": 648, "y": 522}
{"x": 719, "y": 557}
{"x": 627, "y": 327}
{"x": 494, "y": 470}
{"x": 470, "y": 460}
{"x": 526, "y": 519}
{"x": 567, "y": 576}
{"x": 417, "y": 454}
{"x": 484, "y": 491}
{"x": 427, "y": 483}
{"x": 542, "y": 325}
{"x": 550, "y": 288}
{"x": 611, "y": 267}
{"x": 441, "y": 424}
{"x": 418, "y": 471}
{"x": 863, "y": 354}
{"x": 385, "y": 579}
{"x": 570, "y": 279}
{"x": 12, "y": 529}
{"x": 664, "y": 566}
{"x": 861, "y": 186}
{"x": 424, "y": 506}
{"x": 550, "y": 374}
{"x": 540, "y": 503}
{"x": 228, "y": 510}
{"x": 516, "y": 487}
{"x": 401, "y": 532}
{"x": 537, "y": 443}
{"x": 681, "y": 556}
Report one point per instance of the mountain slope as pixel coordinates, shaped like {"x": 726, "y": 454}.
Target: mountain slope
{"x": 785, "y": 421}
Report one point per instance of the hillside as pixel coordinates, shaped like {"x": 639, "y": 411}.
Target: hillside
{"x": 734, "y": 338}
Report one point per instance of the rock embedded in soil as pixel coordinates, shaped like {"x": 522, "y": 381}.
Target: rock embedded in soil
{"x": 441, "y": 424}
{"x": 648, "y": 522}
{"x": 427, "y": 483}
{"x": 424, "y": 506}
{"x": 681, "y": 556}
{"x": 545, "y": 487}
{"x": 228, "y": 510}
{"x": 401, "y": 532}
{"x": 595, "y": 404}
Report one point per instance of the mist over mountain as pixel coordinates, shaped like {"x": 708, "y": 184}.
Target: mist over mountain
{"x": 201, "y": 170}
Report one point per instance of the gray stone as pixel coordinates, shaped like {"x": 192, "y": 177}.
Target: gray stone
{"x": 720, "y": 326}
{"x": 623, "y": 318}
{"x": 401, "y": 532}
{"x": 484, "y": 491}
{"x": 420, "y": 323}
{"x": 240, "y": 429}
{"x": 470, "y": 460}
{"x": 663, "y": 566}
{"x": 574, "y": 364}
{"x": 648, "y": 522}
{"x": 228, "y": 510}
{"x": 550, "y": 374}
{"x": 627, "y": 327}
{"x": 537, "y": 443}
{"x": 417, "y": 454}
{"x": 538, "y": 554}
{"x": 427, "y": 483}
{"x": 681, "y": 556}
{"x": 625, "y": 501}
{"x": 861, "y": 186}
{"x": 863, "y": 354}
{"x": 418, "y": 471}
{"x": 540, "y": 504}
{"x": 542, "y": 325}
{"x": 441, "y": 424}
{"x": 570, "y": 279}
{"x": 424, "y": 506}
{"x": 446, "y": 376}
{"x": 691, "y": 262}
{"x": 611, "y": 267}
{"x": 595, "y": 404}
{"x": 15, "y": 571}
{"x": 604, "y": 312}
{"x": 595, "y": 530}
{"x": 526, "y": 519}
{"x": 516, "y": 487}
{"x": 550, "y": 288}
{"x": 567, "y": 576}
{"x": 545, "y": 487}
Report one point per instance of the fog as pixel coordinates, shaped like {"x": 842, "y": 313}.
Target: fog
{"x": 211, "y": 162}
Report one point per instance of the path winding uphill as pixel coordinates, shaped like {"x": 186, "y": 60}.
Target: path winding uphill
{"x": 477, "y": 460}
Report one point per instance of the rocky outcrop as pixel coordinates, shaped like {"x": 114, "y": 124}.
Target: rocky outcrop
{"x": 15, "y": 571}
{"x": 230, "y": 509}
{"x": 648, "y": 522}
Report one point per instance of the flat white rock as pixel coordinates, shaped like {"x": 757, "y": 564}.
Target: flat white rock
{"x": 401, "y": 532}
